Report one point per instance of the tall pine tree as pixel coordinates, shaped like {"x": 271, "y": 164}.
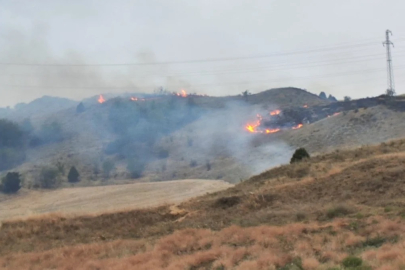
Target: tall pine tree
{"x": 73, "y": 175}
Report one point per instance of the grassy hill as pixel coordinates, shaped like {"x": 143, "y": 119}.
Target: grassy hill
{"x": 334, "y": 211}
{"x": 209, "y": 143}
{"x": 191, "y": 141}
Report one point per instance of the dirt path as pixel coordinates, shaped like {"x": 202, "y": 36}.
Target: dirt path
{"x": 86, "y": 200}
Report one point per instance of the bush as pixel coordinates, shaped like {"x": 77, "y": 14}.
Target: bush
{"x": 11, "y": 183}
{"x": 347, "y": 99}
{"x": 338, "y": 211}
{"x": 73, "y": 175}
{"x": 51, "y": 132}
{"x": 208, "y": 165}
{"x": 352, "y": 261}
{"x": 12, "y": 145}
{"x": 226, "y": 202}
{"x": 135, "y": 167}
{"x": 10, "y": 134}
{"x": 299, "y": 155}
{"x": 108, "y": 167}
{"x": 193, "y": 163}
{"x": 61, "y": 167}
{"x": 80, "y": 108}
{"x": 49, "y": 178}
{"x": 11, "y": 157}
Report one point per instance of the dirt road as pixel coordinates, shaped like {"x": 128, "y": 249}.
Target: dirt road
{"x": 86, "y": 200}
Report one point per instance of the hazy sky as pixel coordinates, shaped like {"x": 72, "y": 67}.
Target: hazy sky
{"x": 319, "y": 45}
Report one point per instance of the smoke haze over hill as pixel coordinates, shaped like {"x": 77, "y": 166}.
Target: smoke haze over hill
{"x": 168, "y": 35}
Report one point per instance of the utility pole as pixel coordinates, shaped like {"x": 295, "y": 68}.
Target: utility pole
{"x": 390, "y": 72}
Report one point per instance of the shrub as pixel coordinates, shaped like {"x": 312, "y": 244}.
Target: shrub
{"x": 208, "y": 165}
{"x": 73, "y": 175}
{"x": 352, "y": 261}
{"x": 51, "y": 132}
{"x": 61, "y": 167}
{"x": 135, "y": 167}
{"x": 12, "y": 144}
{"x": 11, "y": 157}
{"x": 300, "y": 216}
{"x": 299, "y": 155}
{"x": 193, "y": 163}
{"x": 11, "y": 183}
{"x": 108, "y": 167}
{"x": 49, "y": 178}
{"x": 338, "y": 211}
{"x": 80, "y": 108}
{"x": 226, "y": 202}
{"x": 374, "y": 242}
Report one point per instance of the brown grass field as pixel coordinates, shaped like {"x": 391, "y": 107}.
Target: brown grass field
{"x": 310, "y": 215}
{"x": 101, "y": 199}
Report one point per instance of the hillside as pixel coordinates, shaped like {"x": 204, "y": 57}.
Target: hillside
{"x": 101, "y": 199}
{"x": 349, "y": 129}
{"x": 41, "y": 107}
{"x": 173, "y": 137}
{"x": 290, "y": 217}
{"x": 277, "y": 97}
{"x": 88, "y": 134}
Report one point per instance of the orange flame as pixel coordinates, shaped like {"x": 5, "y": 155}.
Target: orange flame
{"x": 305, "y": 106}
{"x": 101, "y": 99}
{"x": 275, "y": 112}
{"x": 268, "y": 131}
{"x": 250, "y": 128}
{"x": 297, "y": 126}
{"x": 183, "y": 93}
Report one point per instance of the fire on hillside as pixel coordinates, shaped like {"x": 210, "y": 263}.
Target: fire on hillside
{"x": 101, "y": 99}
{"x": 182, "y": 94}
{"x": 278, "y": 120}
{"x": 257, "y": 127}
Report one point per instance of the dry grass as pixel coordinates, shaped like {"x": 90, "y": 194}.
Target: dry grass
{"x": 250, "y": 226}
{"x": 312, "y": 246}
{"x": 101, "y": 199}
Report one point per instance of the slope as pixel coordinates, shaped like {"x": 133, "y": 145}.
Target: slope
{"x": 235, "y": 228}
{"x": 349, "y": 129}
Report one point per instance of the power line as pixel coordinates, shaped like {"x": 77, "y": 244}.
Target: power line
{"x": 271, "y": 67}
{"x": 330, "y": 75}
{"x": 324, "y": 49}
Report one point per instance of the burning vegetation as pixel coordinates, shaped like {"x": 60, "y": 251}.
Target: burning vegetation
{"x": 270, "y": 126}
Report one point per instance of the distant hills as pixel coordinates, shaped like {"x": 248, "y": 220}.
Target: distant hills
{"x": 38, "y": 107}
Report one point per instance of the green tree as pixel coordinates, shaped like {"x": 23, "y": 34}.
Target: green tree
{"x": 73, "y": 175}
{"x": 108, "y": 166}
{"x": 299, "y": 155}
{"x": 135, "y": 167}
{"x": 26, "y": 126}
{"x": 347, "y": 98}
{"x": 11, "y": 183}
{"x": 10, "y": 134}
{"x": 49, "y": 177}
{"x": 51, "y": 132}
{"x": 246, "y": 94}
{"x": 61, "y": 167}
{"x": 322, "y": 95}
{"x": 80, "y": 108}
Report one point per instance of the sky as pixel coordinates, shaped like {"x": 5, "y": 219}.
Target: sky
{"x": 80, "y": 48}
